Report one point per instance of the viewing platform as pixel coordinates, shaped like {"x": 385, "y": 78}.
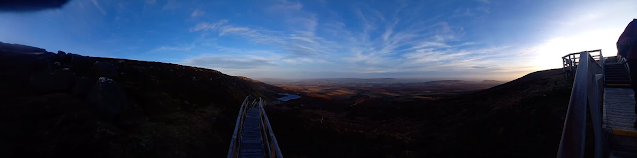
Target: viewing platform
{"x": 601, "y": 91}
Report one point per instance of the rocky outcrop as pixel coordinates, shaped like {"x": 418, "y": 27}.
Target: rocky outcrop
{"x": 104, "y": 69}
{"x": 63, "y": 57}
{"x": 108, "y": 97}
{"x": 20, "y": 65}
{"x": 80, "y": 64}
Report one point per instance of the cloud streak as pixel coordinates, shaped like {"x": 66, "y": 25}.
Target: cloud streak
{"x": 380, "y": 43}
{"x": 197, "y": 13}
{"x": 229, "y": 62}
{"x": 97, "y": 5}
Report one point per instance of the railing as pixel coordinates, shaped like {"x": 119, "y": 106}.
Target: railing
{"x": 269, "y": 139}
{"x": 235, "y": 143}
{"x": 588, "y": 90}
{"x": 571, "y": 61}
{"x": 622, "y": 60}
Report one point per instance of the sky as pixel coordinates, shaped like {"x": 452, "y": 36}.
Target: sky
{"x": 287, "y": 39}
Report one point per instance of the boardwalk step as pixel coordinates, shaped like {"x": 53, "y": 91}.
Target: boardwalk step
{"x": 252, "y": 154}
{"x": 252, "y": 136}
{"x": 610, "y": 81}
{"x": 618, "y": 81}
{"x": 622, "y": 76}
{"x": 252, "y": 132}
{"x": 611, "y": 71}
{"x": 617, "y": 77}
{"x": 251, "y": 151}
{"x": 618, "y": 85}
{"x": 251, "y": 142}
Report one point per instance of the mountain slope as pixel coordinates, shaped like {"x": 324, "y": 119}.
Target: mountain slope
{"x": 171, "y": 110}
{"x": 521, "y": 118}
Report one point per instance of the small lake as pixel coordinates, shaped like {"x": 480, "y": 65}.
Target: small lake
{"x": 288, "y": 97}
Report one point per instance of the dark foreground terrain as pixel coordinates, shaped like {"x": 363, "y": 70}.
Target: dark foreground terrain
{"x": 521, "y": 118}
{"x": 53, "y": 105}
{"x": 57, "y": 105}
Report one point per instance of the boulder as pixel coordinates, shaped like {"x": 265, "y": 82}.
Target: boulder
{"x": 104, "y": 69}
{"x": 82, "y": 86}
{"x": 81, "y": 64}
{"x": 47, "y": 82}
{"x": 80, "y": 60}
{"x": 108, "y": 97}
{"x": 62, "y": 57}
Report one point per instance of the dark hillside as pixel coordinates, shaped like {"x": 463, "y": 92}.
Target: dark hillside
{"x": 521, "y": 118}
{"x": 48, "y": 106}
{"x": 61, "y": 105}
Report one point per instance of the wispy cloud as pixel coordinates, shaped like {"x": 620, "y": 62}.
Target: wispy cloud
{"x": 175, "y": 48}
{"x": 229, "y": 62}
{"x": 97, "y": 5}
{"x": 484, "y": 1}
{"x": 286, "y": 6}
{"x": 197, "y": 13}
{"x": 380, "y": 43}
{"x": 253, "y": 34}
{"x": 150, "y": 2}
{"x": 305, "y": 39}
{"x": 204, "y": 26}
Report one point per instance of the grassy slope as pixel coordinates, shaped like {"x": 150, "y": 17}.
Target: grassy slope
{"x": 521, "y": 118}
{"x": 175, "y": 111}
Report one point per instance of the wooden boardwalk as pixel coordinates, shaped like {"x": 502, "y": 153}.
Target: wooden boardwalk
{"x": 253, "y": 136}
{"x": 251, "y": 140}
{"x": 619, "y": 111}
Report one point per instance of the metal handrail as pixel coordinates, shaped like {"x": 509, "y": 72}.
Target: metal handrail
{"x": 272, "y": 142}
{"x": 588, "y": 90}
{"x": 234, "y": 146}
{"x": 264, "y": 131}
{"x": 571, "y": 61}
{"x": 269, "y": 140}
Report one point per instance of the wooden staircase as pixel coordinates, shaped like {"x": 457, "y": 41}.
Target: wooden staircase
{"x": 616, "y": 73}
{"x": 601, "y": 98}
{"x": 619, "y": 110}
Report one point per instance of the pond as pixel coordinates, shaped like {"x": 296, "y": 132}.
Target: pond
{"x": 288, "y": 97}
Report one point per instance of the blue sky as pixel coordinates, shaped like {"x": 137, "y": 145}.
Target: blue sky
{"x": 473, "y": 39}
